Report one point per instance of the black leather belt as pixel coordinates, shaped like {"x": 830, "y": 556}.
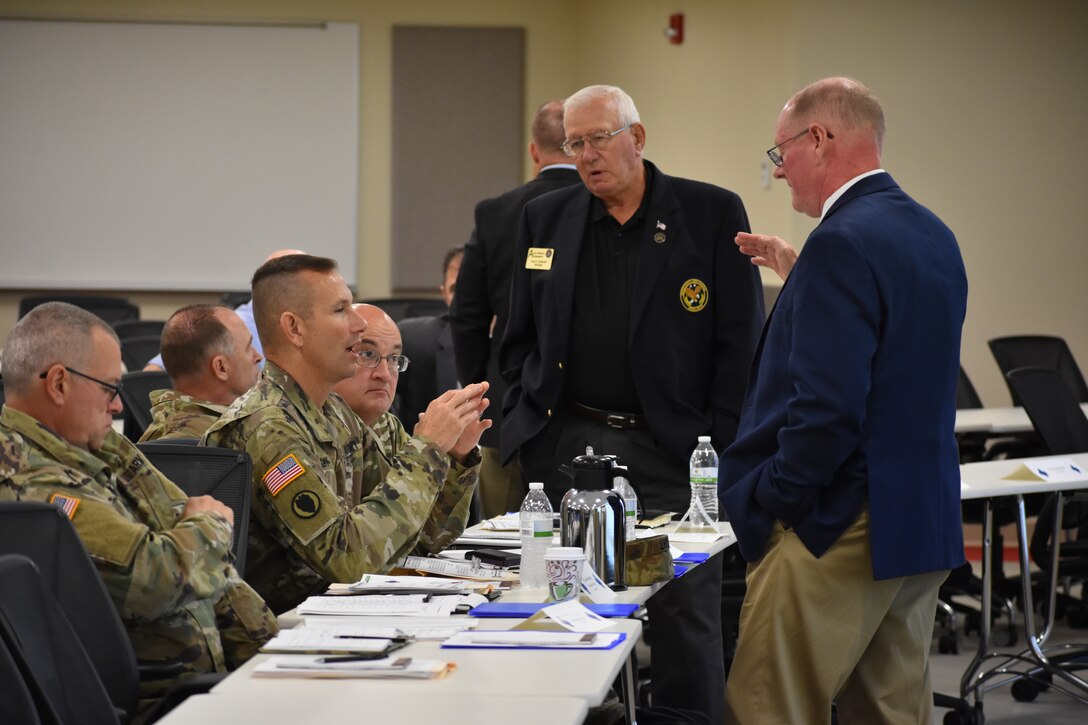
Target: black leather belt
{"x": 611, "y": 418}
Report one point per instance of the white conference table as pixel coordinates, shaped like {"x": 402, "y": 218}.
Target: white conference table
{"x": 998, "y": 421}
{"x": 287, "y": 707}
{"x": 986, "y": 481}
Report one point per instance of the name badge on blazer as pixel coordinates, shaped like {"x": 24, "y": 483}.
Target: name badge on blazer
{"x": 539, "y": 258}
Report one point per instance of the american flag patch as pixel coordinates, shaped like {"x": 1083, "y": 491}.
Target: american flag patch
{"x": 67, "y": 504}
{"x": 282, "y": 474}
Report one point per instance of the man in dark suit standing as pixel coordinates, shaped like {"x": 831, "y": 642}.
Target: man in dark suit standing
{"x": 479, "y": 311}
{"x": 429, "y": 345}
{"x": 843, "y": 483}
{"x": 633, "y": 321}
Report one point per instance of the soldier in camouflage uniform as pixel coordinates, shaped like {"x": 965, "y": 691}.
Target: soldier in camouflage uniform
{"x": 369, "y": 393}
{"x": 165, "y": 558}
{"x": 313, "y": 519}
{"x": 208, "y": 352}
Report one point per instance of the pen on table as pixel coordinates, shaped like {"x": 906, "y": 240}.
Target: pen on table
{"x": 399, "y": 662}
{"x": 403, "y": 639}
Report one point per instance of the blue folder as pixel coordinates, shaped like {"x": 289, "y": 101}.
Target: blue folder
{"x": 528, "y": 609}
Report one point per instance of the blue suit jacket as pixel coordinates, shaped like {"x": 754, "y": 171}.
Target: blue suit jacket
{"x": 851, "y": 398}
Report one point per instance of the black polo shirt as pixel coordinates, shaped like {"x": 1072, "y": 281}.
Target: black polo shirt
{"x": 599, "y": 372}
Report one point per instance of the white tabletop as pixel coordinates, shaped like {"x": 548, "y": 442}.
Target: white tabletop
{"x": 585, "y": 675}
{"x": 999, "y": 421}
{"x": 987, "y": 479}
{"x": 287, "y": 707}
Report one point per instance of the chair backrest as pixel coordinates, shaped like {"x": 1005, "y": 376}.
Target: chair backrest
{"x": 136, "y": 351}
{"x": 22, "y": 699}
{"x": 234, "y": 300}
{"x": 44, "y": 645}
{"x": 1039, "y": 351}
{"x": 400, "y": 308}
{"x": 110, "y": 309}
{"x": 136, "y": 390}
{"x": 44, "y": 534}
{"x": 966, "y": 395}
{"x": 223, "y": 473}
{"x": 138, "y": 328}
{"x": 1052, "y": 407}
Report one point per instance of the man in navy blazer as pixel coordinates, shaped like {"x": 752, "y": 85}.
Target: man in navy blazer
{"x": 843, "y": 482}
{"x": 633, "y": 320}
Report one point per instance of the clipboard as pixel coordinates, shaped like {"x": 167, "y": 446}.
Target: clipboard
{"x": 518, "y": 610}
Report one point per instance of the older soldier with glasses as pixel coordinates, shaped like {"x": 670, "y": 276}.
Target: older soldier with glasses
{"x": 164, "y": 557}
{"x": 633, "y": 320}
{"x": 370, "y": 392}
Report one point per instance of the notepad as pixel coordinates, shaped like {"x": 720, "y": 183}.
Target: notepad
{"x": 527, "y": 639}
{"x": 388, "y": 668}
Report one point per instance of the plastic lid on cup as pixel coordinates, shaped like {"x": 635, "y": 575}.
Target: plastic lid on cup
{"x": 536, "y": 486}
{"x": 564, "y": 552}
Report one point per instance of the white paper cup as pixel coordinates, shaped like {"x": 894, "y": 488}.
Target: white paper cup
{"x": 563, "y": 568}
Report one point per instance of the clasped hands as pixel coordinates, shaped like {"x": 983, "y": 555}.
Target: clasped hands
{"x": 452, "y": 420}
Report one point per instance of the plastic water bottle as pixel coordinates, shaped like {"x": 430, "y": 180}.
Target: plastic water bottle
{"x": 704, "y": 484}
{"x": 536, "y": 535}
{"x": 630, "y": 502}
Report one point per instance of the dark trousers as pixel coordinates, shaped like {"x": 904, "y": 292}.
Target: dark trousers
{"x": 685, "y": 631}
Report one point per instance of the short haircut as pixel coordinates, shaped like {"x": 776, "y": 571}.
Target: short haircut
{"x": 452, "y": 254}
{"x": 191, "y": 337}
{"x": 617, "y": 98}
{"x": 51, "y": 333}
{"x": 547, "y": 128}
{"x": 842, "y": 101}
{"x": 275, "y": 291}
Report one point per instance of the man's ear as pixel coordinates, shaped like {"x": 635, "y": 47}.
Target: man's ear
{"x": 293, "y": 328}
{"x": 56, "y": 384}
{"x": 638, "y": 131}
{"x": 220, "y": 367}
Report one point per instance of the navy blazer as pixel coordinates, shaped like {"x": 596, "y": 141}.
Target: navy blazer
{"x": 689, "y": 366}
{"x": 851, "y": 397}
{"x": 431, "y": 370}
{"x": 483, "y": 288}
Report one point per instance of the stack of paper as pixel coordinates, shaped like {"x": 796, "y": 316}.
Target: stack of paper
{"x": 323, "y": 667}
{"x": 371, "y": 583}
{"x": 325, "y": 640}
{"x": 529, "y": 639}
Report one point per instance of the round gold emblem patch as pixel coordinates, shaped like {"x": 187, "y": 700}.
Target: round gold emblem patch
{"x": 306, "y": 504}
{"x": 694, "y": 295}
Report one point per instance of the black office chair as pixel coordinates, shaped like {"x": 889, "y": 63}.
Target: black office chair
{"x": 1064, "y": 427}
{"x": 44, "y": 534}
{"x": 1038, "y": 351}
{"x": 110, "y": 309}
{"x": 138, "y": 328}
{"x": 136, "y": 390}
{"x": 23, "y": 698}
{"x": 400, "y": 308}
{"x": 222, "y": 473}
{"x": 46, "y": 649}
{"x": 137, "y": 351}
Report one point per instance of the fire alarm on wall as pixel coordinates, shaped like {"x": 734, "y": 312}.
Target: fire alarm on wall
{"x": 675, "y": 31}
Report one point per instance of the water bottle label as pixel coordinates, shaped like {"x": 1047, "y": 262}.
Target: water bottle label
{"x": 704, "y": 475}
{"x": 538, "y": 528}
{"x": 630, "y": 507}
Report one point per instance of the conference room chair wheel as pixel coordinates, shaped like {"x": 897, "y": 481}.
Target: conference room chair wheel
{"x": 1005, "y": 636}
{"x": 1025, "y": 690}
{"x": 972, "y": 716}
{"x": 948, "y": 644}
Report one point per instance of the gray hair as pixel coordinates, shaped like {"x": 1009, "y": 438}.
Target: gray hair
{"x": 51, "y": 333}
{"x": 615, "y": 97}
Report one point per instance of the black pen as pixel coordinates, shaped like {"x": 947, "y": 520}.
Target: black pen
{"x": 367, "y": 656}
{"x": 398, "y": 638}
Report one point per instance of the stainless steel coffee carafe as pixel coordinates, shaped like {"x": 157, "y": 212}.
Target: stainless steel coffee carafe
{"x": 591, "y": 517}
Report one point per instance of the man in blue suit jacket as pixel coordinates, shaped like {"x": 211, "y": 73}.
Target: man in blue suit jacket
{"x": 843, "y": 482}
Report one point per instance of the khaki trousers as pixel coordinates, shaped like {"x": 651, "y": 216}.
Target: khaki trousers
{"x": 817, "y": 630}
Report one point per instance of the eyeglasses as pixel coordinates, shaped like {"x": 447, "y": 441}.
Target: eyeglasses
{"x": 573, "y": 147}
{"x": 371, "y": 359}
{"x": 114, "y": 390}
{"x": 776, "y": 156}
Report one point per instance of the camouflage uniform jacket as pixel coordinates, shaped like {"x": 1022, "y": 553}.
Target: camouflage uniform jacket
{"x": 312, "y": 522}
{"x": 176, "y": 415}
{"x": 171, "y": 578}
{"x": 450, "y": 513}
